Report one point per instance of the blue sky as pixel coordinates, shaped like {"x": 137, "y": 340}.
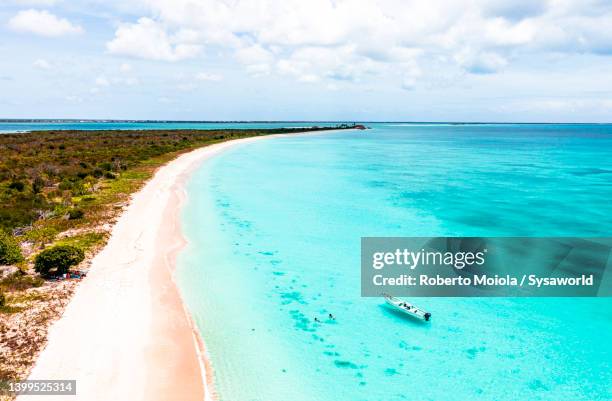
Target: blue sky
{"x": 408, "y": 60}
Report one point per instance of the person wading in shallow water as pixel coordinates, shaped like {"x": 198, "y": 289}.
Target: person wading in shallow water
{"x": 329, "y": 316}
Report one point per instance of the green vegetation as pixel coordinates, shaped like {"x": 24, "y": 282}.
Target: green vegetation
{"x": 58, "y": 259}
{"x": 67, "y": 177}
{"x": 85, "y": 242}
{"x": 75, "y": 214}
{"x": 10, "y": 252}
{"x": 41, "y": 234}
{"x": 54, "y": 181}
{"x": 19, "y": 281}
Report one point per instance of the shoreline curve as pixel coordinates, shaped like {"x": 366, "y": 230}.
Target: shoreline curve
{"x": 126, "y": 333}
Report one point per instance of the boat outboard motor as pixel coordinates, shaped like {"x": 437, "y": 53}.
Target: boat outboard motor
{"x": 427, "y": 316}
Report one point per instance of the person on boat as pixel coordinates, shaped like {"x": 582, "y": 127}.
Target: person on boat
{"x": 331, "y": 317}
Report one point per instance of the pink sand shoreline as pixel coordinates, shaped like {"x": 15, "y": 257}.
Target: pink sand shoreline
{"x": 123, "y": 336}
{"x": 180, "y": 199}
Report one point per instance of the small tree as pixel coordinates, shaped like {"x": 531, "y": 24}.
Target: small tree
{"x": 10, "y": 252}
{"x": 60, "y": 257}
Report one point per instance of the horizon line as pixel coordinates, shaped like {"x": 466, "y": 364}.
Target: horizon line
{"x": 110, "y": 120}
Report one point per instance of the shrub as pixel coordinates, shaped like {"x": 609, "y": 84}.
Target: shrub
{"x": 20, "y": 281}
{"x": 78, "y": 188}
{"x": 75, "y": 214}
{"x": 60, "y": 257}
{"x": 110, "y": 175}
{"x": 2, "y": 300}
{"x": 10, "y": 252}
{"x": 41, "y": 235}
{"x": 37, "y": 185}
{"x": 17, "y": 185}
{"x": 65, "y": 185}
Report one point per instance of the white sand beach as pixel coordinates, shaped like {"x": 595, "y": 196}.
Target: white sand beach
{"x": 126, "y": 334}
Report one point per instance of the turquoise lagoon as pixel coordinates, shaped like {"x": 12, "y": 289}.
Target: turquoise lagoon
{"x": 274, "y": 231}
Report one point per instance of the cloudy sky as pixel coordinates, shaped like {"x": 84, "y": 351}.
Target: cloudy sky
{"x": 409, "y": 60}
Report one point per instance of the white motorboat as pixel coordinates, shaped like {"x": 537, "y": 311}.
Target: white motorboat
{"x": 407, "y": 308}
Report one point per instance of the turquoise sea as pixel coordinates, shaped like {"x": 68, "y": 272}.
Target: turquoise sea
{"x": 274, "y": 231}
{"x": 274, "y": 228}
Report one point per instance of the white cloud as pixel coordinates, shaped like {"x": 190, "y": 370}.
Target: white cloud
{"x": 43, "y": 3}
{"x": 354, "y": 40}
{"x": 309, "y": 78}
{"x": 186, "y": 87}
{"x": 311, "y": 64}
{"x": 148, "y": 39}
{"x": 205, "y": 76}
{"x": 481, "y": 63}
{"x": 125, "y": 67}
{"x": 42, "y": 23}
{"x": 74, "y": 98}
{"x": 102, "y": 81}
{"x": 561, "y": 106}
{"x": 409, "y": 83}
{"x": 129, "y": 81}
{"x": 42, "y": 64}
{"x": 256, "y": 59}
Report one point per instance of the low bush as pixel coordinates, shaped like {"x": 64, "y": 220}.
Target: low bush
{"x": 10, "y": 252}
{"x": 60, "y": 258}
{"x": 75, "y": 214}
{"x": 78, "y": 188}
{"x": 19, "y": 281}
{"x": 41, "y": 235}
{"x": 65, "y": 185}
{"x": 37, "y": 185}
{"x": 17, "y": 185}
